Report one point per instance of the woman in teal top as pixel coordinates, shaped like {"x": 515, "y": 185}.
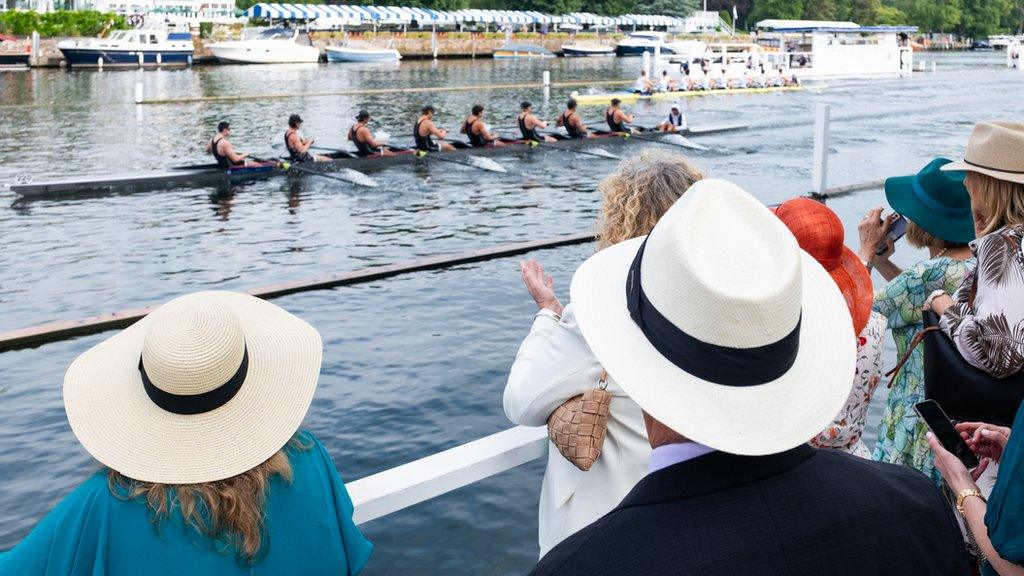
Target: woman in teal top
{"x": 194, "y": 412}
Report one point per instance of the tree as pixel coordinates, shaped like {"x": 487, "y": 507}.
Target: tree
{"x": 932, "y": 15}
{"x": 825, "y": 10}
{"x": 679, "y": 8}
{"x": 609, "y": 7}
{"x": 782, "y": 9}
{"x": 982, "y": 18}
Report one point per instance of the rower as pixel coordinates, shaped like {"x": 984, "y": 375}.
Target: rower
{"x": 643, "y": 85}
{"x": 424, "y": 131}
{"x": 360, "y": 135}
{"x": 528, "y": 124}
{"x": 571, "y": 121}
{"x": 476, "y": 130}
{"x": 222, "y": 150}
{"x": 298, "y": 147}
{"x": 617, "y": 118}
{"x": 666, "y": 84}
{"x": 674, "y": 122}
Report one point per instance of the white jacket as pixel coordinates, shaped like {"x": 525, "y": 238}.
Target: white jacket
{"x": 554, "y": 364}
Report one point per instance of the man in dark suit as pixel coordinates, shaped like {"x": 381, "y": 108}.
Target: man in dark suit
{"x": 738, "y": 356}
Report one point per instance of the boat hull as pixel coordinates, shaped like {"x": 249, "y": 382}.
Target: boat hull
{"x": 638, "y": 50}
{"x": 90, "y": 57}
{"x": 8, "y": 60}
{"x": 335, "y": 54}
{"x": 571, "y": 52}
{"x": 504, "y": 54}
{"x": 255, "y": 54}
{"x": 210, "y": 174}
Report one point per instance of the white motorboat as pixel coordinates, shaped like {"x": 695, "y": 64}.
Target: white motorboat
{"x": 141, "y": 47}
{"x": 587, "y": 49}
{"x": 358, "y": 51}
{"x": 639, "y": 42}
{"x": 268, "y": 46}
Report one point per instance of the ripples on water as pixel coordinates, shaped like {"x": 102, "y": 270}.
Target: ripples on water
{"x": 413, "y": 364}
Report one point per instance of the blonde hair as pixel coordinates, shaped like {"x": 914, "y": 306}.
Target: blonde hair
{"x": 920, "y": 238}
{"x": 228, "y": 512}
{"x": 639, "y": 191}
{"x": 1002, "y": 201}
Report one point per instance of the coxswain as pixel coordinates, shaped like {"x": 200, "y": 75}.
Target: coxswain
{"x": 528, "y": 124}
{"x": 222, "y": 150}
{"x": 674, "y": 122}
{"x": 643, "y": 85}
{"x": 298, "y": 147}
{"x": 361, "y": 136}
{"x": 571, "y": 121}
{"x": 475, "y": 129}
{"x": 617, "y": 118}
{"x": 425, "y": 130}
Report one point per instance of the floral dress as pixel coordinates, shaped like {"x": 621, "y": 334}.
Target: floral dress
{"x": 845, "y": 431}
{"x": 901, "y": 434}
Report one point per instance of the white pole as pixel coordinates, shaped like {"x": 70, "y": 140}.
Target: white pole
{"x": 158, "y": 59}
{"x": 141, "y": 58}
{"x": 647, "y": 63}
{"x": 138, "y": 92}
{"x": 933, "y": 67}
{"x": 547, "y": 78}
{"x": 35, "y": 48}
{"x": 657, "y": 57}
{"x": 819, "y": 175}
{"x": 99, "y": 62}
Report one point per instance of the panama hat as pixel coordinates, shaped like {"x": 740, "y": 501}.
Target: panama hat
{"x": 819, "y": 232}
{"x": 936, "y": 200}
{"x": 996, "y": 148}
{"x": 719, "y": 326}
{"x": 206, "y": 387}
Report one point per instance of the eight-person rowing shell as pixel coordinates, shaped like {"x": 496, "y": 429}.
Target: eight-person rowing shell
{"x": 361, "y": 136}
{"x": 617, "y": 118}
{"x": 298, "y": 147}
{"x": 571, "y": 121}
{"x": 424, "y": 132}
{"x": 223, "y": 152}
{"x": 674, "y": 122}
{"x": 477, "y": 132}
{"x": 529, "y": 123}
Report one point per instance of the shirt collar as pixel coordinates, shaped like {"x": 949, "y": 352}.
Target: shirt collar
{"x": 669, "y": 454}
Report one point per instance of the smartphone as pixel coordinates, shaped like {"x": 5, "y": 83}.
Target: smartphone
{"x": 896, "y": 231}
{"x": 940, "y": 425}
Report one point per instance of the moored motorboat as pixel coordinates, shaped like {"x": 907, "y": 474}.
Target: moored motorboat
{"x": 522, "y": 51}
{"x": 268, "y": 46}
{"x": 358, "y": 51}
{"x": 586, "y": 49}
{"x": 639, "y": 42}
{"x": 12, "y": 54}
{"x": 142, "y": 47}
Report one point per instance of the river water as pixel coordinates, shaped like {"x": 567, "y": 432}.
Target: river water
{"x": 413, "y": 364}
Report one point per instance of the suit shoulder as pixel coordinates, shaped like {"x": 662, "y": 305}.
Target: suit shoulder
{"x": 587, "y": 550}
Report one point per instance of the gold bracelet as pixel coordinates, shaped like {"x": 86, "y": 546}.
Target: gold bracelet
{"x": 963, "y": 495}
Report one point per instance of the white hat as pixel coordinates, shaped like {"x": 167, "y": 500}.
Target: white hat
{"x": 747, "y": 344}
{"x": 206, "y": 387}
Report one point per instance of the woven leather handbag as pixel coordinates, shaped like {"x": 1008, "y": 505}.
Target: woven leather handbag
{"x": 578, "y": 426}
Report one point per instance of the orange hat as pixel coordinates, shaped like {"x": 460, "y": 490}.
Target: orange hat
{"x": 820, "y": 233}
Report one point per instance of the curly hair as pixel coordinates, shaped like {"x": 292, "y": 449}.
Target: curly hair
{"x": 639, "y": 191}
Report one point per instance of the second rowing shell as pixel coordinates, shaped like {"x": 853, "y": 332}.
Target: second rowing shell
{"x": 605, "y": 99}
{"x": 27, "y": 187}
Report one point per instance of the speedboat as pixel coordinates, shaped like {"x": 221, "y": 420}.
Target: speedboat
{"x": 358, "y": 51}
{"x": 639, "y": 42}
{"x": 522, "y": 51}
{"x": 141, "y": 47}
{"x": 268, "y": 46}
{"x": 12, "y": 54}
{"x": 587, "y": 49}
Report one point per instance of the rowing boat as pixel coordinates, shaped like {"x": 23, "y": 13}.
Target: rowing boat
{"x": 212, "y": 174}
{"x": 605, "y": 99}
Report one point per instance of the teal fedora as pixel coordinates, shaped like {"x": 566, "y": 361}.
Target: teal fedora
{"x": 935, "y": 200}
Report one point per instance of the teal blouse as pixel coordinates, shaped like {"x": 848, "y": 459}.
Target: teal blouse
{"x": 309, "y": 530}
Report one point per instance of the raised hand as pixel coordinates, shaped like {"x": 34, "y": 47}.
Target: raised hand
{"x": 541, "y": 286}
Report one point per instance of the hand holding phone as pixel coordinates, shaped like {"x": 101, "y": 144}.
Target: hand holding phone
{"x": 897, "y": 229}
{"x": 940, "y": 425}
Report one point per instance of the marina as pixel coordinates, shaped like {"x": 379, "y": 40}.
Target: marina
{"x": 417, "y": 292}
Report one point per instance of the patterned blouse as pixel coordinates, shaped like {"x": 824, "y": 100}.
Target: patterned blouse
{"x": 845, "y": 431}
{"x": 990, "y": 335}
{"x": 901, "y": 434}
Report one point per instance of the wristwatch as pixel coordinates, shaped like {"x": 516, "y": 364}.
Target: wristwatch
{"x": 963, "y": 495}
{"x": 932, "y": 296}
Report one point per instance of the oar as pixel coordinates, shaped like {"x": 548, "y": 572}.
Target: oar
{"x": 368, "y": 182}
{"x": 684, "y": 142}
{"x": 439, "y": 156}
{"x": 608, "y": 156}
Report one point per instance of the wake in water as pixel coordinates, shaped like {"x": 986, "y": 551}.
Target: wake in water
{"x": 487, "y": 164}
{"x": 680, "y": 140}
{"x": 604, "y": 153}
{"x": 357, "y": 177}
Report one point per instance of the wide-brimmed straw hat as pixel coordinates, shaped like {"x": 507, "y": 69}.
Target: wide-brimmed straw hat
{"x": 819, "y": 232}
{"x": 206, "y": 387}
{"x": 995, "y": 148}
{"x": 936, "y": 200}
{"x": 719, "y": 326}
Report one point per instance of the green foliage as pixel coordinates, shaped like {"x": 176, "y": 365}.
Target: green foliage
{"x": 785, "y": 9}
{"x": 932, "y": 15}
{"x": 826, "y": 10}
{"x": 976, "y": 18}
{"x": 60, "y": 23}
{"x": 205, "y": 29}
{"x": 725, "y": 16}
{"x": 982, "y": 17}
{"x": 679, "y": 8}
{"x": 246, "y": 4}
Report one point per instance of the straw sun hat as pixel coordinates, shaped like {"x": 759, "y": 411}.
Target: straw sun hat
{"x": 206, "y": 387}
{"x": 995, "y": 148}
{"x": 719, "y": 326}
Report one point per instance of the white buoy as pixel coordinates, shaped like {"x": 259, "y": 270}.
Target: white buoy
{"x": 138, "y": 92}
{"x": 189, "y": 59}
{"x": 819, "y": 175}
{"x": 99, "y": 62}
{"x": 142, "y": 58}
{"x": 920, "y": 65}
{"x": 933, "y": 67}
{"x": 547, "y": 78}
{"x": 158, "y": 59}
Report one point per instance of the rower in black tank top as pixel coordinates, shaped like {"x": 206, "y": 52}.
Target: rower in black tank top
{"x": 425, "y": 143}
{"x": 569, "y": 128}
{"x": 528, "y": 133}
{"x": 362, "y": 148}
{"x": 293, "y": 154}
{"x": 476, "y": 140}
{"x": 222, "y": 161}
{"x": 609, "y": 117}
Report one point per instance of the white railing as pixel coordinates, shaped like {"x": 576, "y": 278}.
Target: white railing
{"x": 420, "y": 480}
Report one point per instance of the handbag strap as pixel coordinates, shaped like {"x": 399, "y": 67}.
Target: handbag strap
{"x": 906, "y": 355}
{"x": 603, "y": 382}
